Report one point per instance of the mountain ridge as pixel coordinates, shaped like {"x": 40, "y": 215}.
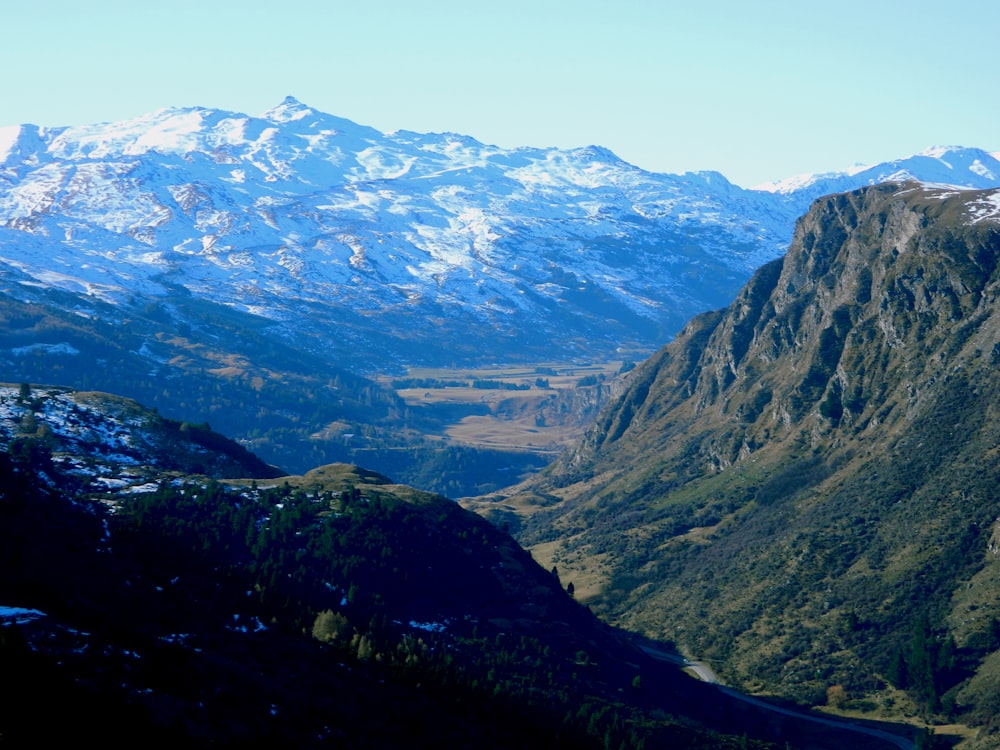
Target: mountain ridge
{"x": 395, "y": 241}
{"x": 812, "y": 465}
{"x": 973, "y": 160}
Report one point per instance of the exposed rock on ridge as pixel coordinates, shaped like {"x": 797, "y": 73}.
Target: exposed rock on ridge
{"x": 794, "y": 481}
{"x": 874, "y": 276}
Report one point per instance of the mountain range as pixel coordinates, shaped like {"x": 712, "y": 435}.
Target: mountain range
{"x": 378, "y": 250}
{"x": 254, "y": 272}
{"x": 801, "y": 487}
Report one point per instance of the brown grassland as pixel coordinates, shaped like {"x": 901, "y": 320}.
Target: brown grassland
{"x": 512, "y": 408}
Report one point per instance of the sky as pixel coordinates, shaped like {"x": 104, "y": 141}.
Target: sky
{"x": 759, "y": 91}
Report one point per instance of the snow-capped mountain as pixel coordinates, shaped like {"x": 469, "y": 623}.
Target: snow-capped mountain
{"x": 411, "y": 247}
{"x": 943, "y": 165}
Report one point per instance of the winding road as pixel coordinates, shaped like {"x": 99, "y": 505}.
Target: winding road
{"x": 705, "y": 674}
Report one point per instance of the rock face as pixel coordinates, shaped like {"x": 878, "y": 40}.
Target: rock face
{"x": 793, "y": 480}
{"x": 882, "y": 288}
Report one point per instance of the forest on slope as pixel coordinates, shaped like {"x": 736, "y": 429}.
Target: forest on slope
{"x": 334, "y": 609}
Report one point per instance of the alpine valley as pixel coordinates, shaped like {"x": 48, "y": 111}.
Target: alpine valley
{"x": 798, "y": 491}
{"x": 215, "y": 265}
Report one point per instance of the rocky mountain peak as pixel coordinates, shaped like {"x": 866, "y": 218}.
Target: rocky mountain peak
{"x": 289, "y": 109}
{"x": 892, "y": 276}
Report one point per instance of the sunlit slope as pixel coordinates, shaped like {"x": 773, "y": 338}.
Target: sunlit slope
{"x": 802, "y": 486}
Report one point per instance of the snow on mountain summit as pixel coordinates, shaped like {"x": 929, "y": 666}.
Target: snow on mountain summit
{"x": 289, "y": 109}
{"x": 948, "y": 165}
{"x": 298, "y": 207}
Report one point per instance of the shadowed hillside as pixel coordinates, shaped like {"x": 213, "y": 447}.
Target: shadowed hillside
{"x": 148, "y": 597}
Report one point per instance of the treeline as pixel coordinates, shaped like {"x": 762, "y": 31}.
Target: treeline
{"x": 402, "y": 383}
{"x": 485, "y": 384}
{"x": 927, "y": 666}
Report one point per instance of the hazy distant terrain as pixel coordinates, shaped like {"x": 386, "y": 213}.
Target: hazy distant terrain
{"x": 257, "y": 273}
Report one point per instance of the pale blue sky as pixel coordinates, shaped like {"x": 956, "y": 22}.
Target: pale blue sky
{"x": 756, "y": 90}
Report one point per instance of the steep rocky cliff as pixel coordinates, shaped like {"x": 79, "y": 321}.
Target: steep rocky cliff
{"x": 882, "y": 289}
{"x": 796, "y": 480}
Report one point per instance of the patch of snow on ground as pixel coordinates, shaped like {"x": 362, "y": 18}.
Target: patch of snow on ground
{"x": 142, "y": 488}
{"x": 254, "y": 626}
{"x": 178, "y": 638}
{"x": 112, "y": 483}
{"x": 432, "y": 627}
{"x": 77, "y": 427}
{"x": 986, "y": 209}
{"x": 982, "y": 170}
{"x": 19, "y": 615}
{"x": 62, "y": 348}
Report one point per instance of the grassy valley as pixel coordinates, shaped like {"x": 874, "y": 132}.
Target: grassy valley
{"x": 541, "y": 409}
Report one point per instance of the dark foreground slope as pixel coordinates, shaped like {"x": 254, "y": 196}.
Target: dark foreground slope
{"x": 803, "y": 488}
{"x": 158, "y": 606}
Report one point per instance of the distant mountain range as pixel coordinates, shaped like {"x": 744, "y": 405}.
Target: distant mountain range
{"x": 378, "y": 250}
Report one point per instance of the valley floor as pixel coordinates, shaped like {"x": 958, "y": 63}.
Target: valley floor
{"x": 539, "y": 408}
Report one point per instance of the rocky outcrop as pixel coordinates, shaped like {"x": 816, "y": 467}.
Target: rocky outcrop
{"x": 879, "y": 287}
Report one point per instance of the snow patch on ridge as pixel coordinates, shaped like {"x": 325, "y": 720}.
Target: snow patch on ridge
{"x": 939, "y": 152}
{"x": 986, "y": 209}
{"x": 296, "y": 206}
{"x": 9, "y": 136}
{"x": 804, "y": 180}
